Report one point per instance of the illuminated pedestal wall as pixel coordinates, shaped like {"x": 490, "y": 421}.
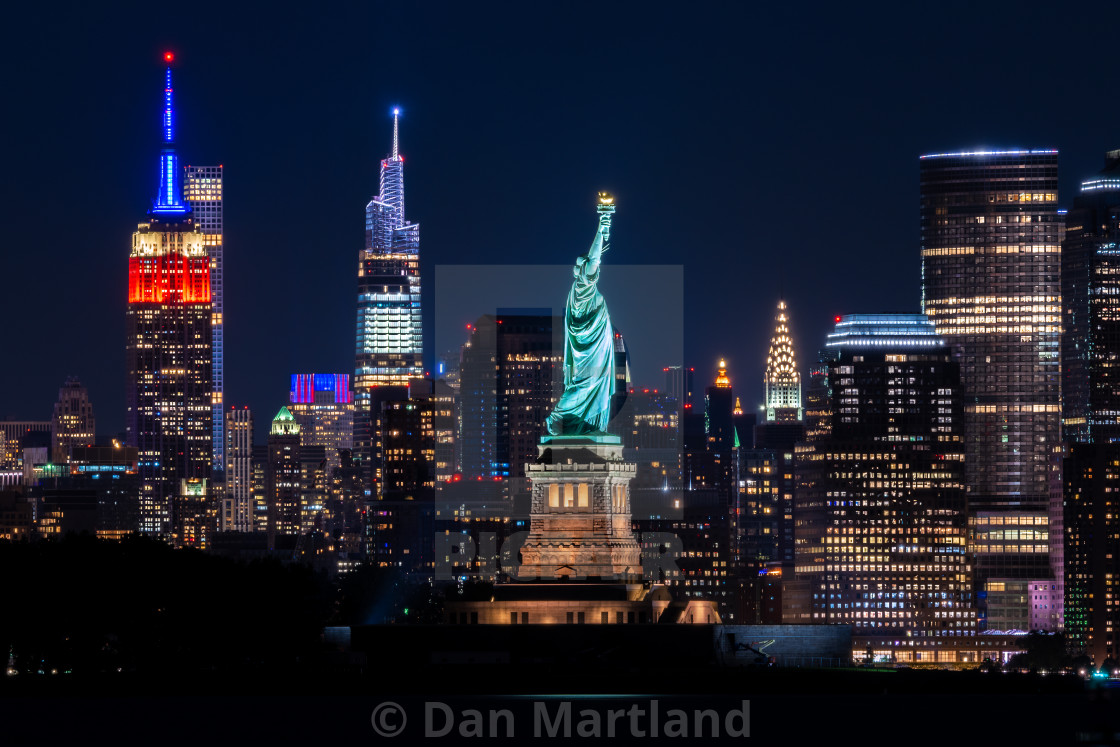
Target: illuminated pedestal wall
{"x": 580, "y": 526}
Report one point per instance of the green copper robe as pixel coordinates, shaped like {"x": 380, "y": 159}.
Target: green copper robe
{"x": 589, "y": 377}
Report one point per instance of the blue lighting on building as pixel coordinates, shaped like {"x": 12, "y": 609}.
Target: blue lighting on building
{"x": 169, "y": 196}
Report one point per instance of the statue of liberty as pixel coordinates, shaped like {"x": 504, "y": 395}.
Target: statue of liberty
{"x": 589, "y": 362}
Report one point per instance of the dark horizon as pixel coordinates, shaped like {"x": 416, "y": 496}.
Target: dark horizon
{"x": 765, "y": 153}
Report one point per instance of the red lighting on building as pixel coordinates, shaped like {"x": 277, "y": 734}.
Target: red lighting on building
{"x": 168, "y": 57}
{"x": 169, "y": 279}
{"x": 837, "y": 319}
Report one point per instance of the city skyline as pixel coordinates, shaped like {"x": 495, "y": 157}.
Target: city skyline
{"x": 624, "y": 143}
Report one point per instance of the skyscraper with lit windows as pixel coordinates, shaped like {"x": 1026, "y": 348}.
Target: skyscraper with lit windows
{"x": 323, "y": 405}
{"x": 73, "y": 424}
{"x": 169, "y": 359}
{"x": 390, "y": 339}
{"x": 1089, "y": 558}
{"x": 991, "y": 258}
{"x": 236, "y": 514}
{"x": 880, "y": 507}
{"x": 202, "y": 191}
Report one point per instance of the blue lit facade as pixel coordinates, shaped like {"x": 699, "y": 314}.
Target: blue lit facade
{"x": 169, "y": 195}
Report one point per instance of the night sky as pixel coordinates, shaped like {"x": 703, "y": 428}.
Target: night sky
{"x": 762, "y": 148}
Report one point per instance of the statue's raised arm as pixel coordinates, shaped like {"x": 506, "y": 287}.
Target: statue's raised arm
{"x": 585, "y": 406}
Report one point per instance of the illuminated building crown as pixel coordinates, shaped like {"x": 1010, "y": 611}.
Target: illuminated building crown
{"x": 783, "y": 382}
{"x": 284, "y": 424}
{"x": 169, "y": 194}
{"x": 722, "y": 380}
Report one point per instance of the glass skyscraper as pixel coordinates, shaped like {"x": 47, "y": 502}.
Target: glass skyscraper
{"x": 1091, "y": 310}
{"x": 390, "y": 339}
{"x": 1090, "y": 559}
{"x": 991, "y": 255}
{"x": 202, "y": 190}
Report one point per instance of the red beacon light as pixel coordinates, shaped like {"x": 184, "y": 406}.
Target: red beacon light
{"x": 838, "y": 319}
{"x": 168, "y": 56}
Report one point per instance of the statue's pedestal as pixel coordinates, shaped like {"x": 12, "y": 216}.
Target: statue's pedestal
{"x": 580, "y": 525}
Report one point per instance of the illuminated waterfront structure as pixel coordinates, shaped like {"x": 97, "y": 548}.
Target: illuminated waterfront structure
{"x": 783, "y": 381}
{"x": 170, "y": 382}
{"x": 881, "y": 510}
{"x": 237, "y": 501}
{"x": 323, "y": 405}
{"x": 389, "y": 329}
{"x": 202, "y": 191}
{"x": 72, "y": 425}
{"x": 990, "y": 234}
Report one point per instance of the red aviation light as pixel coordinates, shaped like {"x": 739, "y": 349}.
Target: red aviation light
{"x": 168, "y": 57}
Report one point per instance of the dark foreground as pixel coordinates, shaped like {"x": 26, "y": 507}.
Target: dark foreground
{"x": 786, "y": 706}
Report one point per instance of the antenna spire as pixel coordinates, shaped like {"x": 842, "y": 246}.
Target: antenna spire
{"x": 396, "y": 125}
{"x": 169, "y": 193}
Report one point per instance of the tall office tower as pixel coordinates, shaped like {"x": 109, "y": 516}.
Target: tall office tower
{"x": 506, "y": 392}
{"x": 323, "y": 405}
{"x": 237, "y": 501}
{"x": 783, "y": 381}
{"x": 881, "y": 508}
{"x": 719, "y": 404}
{"x": 390, "y": 341}
{"x": 678, "y": 384}
{"x": 20, "y": 433}
{"x": 259, "y": 486}
{"x": 72, "y": 425}
{"x": 283, "y": 482}
{"x": 445, "y": 400}
{"x": 170, "y": 382}
{"x": 404, "y": 525}
{"x": 763, "y": 510}
{"x": 1087, "y": 559}
{"x": 202, "y": 191}
{"x": 1092, "y": 553}
{"x": 1091, "y": 310}
{"x": 818, "y": 401}
{"x": 991, "y": 260}
{"x": 649, "y": 426}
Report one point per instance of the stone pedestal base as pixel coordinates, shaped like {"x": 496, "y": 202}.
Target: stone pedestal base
{"x": 580, "y": 526}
